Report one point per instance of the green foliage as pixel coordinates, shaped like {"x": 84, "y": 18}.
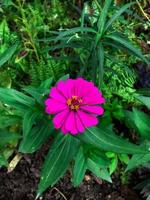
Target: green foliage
{"x": 57, "y": 161}
{"x": 44, "y": 69}
{"x": 37, "y": 129}
{"x": 97, "y": 38}
{"x": 47, "y": 49}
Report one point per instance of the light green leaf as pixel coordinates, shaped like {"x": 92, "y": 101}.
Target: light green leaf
{"x": 56, "y": 163}
{"x": 117, "y": 14}
{"x": 36, "y": 137}
{"x": 6, "y": 55}
{"x": 105, "y": 139}
{"x": 124, "y": 158}
{"x": 99, "y": 172}
{"x": 79, "y": 168}
{"x": 127, "y": 44}
{"x": 113, "y": 165}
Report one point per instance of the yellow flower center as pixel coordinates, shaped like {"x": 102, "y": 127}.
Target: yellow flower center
{"x": 74, "y": 102}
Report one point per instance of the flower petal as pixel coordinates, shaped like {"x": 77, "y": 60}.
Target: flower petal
{"x": 70, "y": 123}
{"x": 93, "y": 99}
{"x": 54, "y": 93}
{"x": 53, "y": 106}
{"x": 59, "y": 119}
{"x": 66, "y": 87}
{"x": 87, "y": 119}
{"x": 83, "y": 87}
{"x": 97, "y": 110}
{"x": 79, "y": 124}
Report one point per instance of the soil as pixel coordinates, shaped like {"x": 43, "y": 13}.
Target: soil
{"x": 21, "y": 184}
{"x": 143, "y": 72}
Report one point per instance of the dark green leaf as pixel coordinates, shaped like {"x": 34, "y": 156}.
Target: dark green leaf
{"x": 101, "y": 61}
{"x": 29, "y": 120}
{"x": 9, "y": 120}
{"x": 103, "y": 16}
{"x": 138, "y": 160}
{"x": 105, "y": 139}
{"x": 6, "y": 137}
{"x": 16, "y": 99}
{"x": 99, "y": 172}
{"x": 56, "y": 163}
{"x": 36, "y": 137}
{"x": 142, "y": 122}
{"x": 117, "y": 14}
{"x": 46, "y": 84}
{"x": 74, "y": 31}
{"x": 3, "y": 161}
{"x": 79, "y": 168}
{"x": 101, "y": 161}
{"x": 127, "y": 44}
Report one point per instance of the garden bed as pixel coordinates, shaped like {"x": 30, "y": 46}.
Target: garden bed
{"x": 22, "y": 183}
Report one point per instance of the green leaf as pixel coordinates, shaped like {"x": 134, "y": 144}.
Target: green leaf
{"x": 144, "y": 91}
{"x": 74, "y": 31}
{"x": 138, "y": 160}
{"x": 117, "y": 14}
{"x": 37, "y": 93}
{"x": 7, "y": 137}
{"x": 63, "y": 78}
{"x": 3, "y": 161}
{"x": 47, "y": 83}
{"x": 36, "y": 137}
{"x": 79, "y": 168}
{"x": 101, "y": 161}
{"x": 144, "y": 100}
{"x": 104, "y": 138}
{"x": 4, "y": 57}
{"x": 29, "y": 120}
{"x": 113, "y": 165}
{"x": 16, "y": 99}
{"x": 99, "y": 172}
{"x": 142, "y": 122}
{"x": 103, "y": 16}
{"x": 56, "y": 163}
{"x": 8, "y": 120}
{"x": 101, "y": 61}
{"x": 124, "y": 158}
{"x": 127, "y": 44}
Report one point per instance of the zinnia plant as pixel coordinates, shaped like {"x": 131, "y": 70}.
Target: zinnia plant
{"x": 78, "y": 141}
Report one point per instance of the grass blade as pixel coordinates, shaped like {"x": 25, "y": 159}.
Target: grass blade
{"x": 117, "y": 14}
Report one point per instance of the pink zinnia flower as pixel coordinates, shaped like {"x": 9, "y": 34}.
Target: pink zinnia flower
{"x": 76, "y": 105}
